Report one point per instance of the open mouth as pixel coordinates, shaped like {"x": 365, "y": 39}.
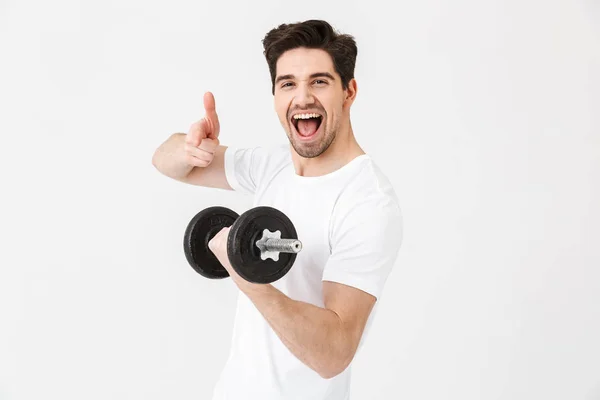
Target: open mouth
{"x": 307, "y": 125}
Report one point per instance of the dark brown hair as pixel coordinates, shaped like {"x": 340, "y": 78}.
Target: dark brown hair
{"x": 312, "y": 34}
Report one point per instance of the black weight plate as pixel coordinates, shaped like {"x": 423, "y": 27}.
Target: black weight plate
{"x": 243, "y": 253}
{"x": 201, "y": 229}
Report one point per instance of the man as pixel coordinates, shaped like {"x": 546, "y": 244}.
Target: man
{"x": 295, "y": 338}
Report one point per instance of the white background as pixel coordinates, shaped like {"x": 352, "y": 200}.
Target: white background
{"x": 484, "y": 114}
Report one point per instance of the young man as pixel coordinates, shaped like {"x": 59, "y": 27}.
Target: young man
{"x": 295, "y": 338}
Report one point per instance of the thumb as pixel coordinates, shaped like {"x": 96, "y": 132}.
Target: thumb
{"x": 211, "y": 115}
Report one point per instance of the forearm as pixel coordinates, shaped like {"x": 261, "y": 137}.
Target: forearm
{"x": 313, "y": 334}
{"x": 169, "y": 158}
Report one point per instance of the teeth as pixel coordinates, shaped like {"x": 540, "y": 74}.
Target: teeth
{"x": 306, "y": 116}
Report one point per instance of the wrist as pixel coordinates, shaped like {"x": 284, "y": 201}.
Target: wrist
{"x": 254, "y": 289}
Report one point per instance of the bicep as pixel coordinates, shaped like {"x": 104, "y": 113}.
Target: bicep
{"x": 212, "y": 176}
{"x": 353, "y": 306}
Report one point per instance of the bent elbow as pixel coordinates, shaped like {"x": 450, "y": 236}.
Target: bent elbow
{"x": 328, "y": 374}
{"x": 332, "y": 373}
{"x": 335, "y": 369}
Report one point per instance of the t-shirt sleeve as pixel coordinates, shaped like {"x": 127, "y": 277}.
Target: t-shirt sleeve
{"x": 245, "y": 168}
{"x": 365, "y": 241}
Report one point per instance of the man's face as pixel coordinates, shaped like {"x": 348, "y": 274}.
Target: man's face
{"x": 306, "y": 84}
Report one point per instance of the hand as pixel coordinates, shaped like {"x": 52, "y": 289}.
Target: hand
{"x": 218, "y": 245}
{"x": 202, "y": 139}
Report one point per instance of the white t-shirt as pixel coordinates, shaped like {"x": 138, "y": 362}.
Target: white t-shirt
{"x": 350, "y": 225}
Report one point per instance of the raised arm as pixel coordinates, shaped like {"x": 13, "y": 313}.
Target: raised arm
{"x": 195, "y": 158}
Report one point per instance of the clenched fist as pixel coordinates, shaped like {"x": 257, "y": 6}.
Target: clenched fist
{"x": 203, "y": 137}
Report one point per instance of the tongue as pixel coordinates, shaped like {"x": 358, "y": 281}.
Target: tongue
{"x": 307, "y": 127}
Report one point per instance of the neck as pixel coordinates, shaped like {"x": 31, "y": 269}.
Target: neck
{"x": 342, "y": 150}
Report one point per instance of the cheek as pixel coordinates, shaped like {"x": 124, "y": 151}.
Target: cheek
{"x": 282, "y": 116}
{"x": 281, "y": 110}
{"x": 282, "y": 113}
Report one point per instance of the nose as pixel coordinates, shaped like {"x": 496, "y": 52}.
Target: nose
{"x": 304, "y": 95}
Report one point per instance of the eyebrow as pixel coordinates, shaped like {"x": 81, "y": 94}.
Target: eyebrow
{"x": 315, "y": 75}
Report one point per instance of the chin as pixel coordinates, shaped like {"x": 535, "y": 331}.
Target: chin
{"x": 312, "y": 149}
{"x": 305, "y": 152}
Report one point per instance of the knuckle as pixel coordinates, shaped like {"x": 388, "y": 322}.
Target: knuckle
{"x": 189, "y": 139}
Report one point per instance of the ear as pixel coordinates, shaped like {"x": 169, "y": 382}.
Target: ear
{"x": 350, "y": 93}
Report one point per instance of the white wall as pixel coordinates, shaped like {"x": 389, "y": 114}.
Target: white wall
{"x": 485, "y": 115}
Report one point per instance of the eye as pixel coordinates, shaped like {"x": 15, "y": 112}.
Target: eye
{"x": 321, "y": 81}
{"x": 286, "y": 84}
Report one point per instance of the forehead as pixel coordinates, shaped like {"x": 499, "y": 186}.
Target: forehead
{"x": 302, "y": 62}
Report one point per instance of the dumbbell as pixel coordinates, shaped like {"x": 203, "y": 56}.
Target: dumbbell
{"x": 262, "y": 243}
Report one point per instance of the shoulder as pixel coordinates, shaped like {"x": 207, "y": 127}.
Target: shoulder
{"x": 370, "y": 187}
{"x": 261, "y": 153}
{"x": 271, "y": 159}
{"x": 248, "y": 168}
{"x": 369, "y": 201}
{"x": 258, "y": 159}
{"x": 278, "y": 154}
